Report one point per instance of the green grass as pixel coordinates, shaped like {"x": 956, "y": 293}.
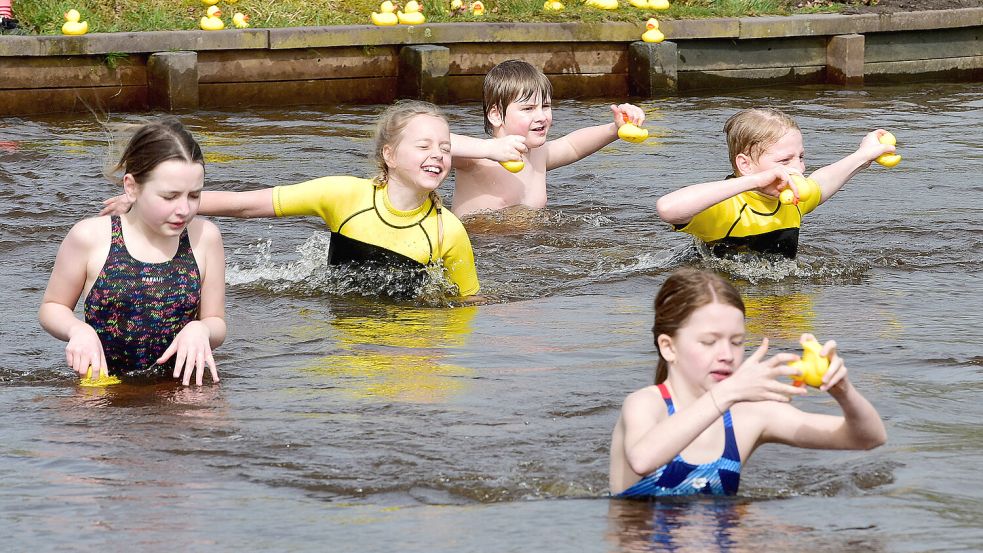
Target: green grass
{"x": 46, "y": 16}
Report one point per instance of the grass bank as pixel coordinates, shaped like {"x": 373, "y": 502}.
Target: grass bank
{"x": 46, "y": 16}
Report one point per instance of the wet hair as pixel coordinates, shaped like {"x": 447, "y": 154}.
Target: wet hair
{"x": 511, "y": 81}
{"x": 389, "y": 132}
{"x": 752, "y": 131}
{"x": 685, "y": 291}
{"x": 152, "y": 144}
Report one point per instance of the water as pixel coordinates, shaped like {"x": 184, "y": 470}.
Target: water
{"x": 350, "y": 423}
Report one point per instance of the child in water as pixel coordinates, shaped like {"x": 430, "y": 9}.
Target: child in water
{"x": 707, "y": 398}
{"x": 153, "y": 278}
{"x": 518, "y": 114}
{"x": 743, "y": 211}
{"x": 392, "y": 221}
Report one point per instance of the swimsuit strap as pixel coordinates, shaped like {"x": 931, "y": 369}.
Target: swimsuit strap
{"x": 730, "y": 439}
{"x": 117, "y": 240}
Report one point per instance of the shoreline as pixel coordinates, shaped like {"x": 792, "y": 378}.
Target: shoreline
{"x": 446, "y": 62}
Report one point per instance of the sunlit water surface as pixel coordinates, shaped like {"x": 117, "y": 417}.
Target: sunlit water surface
{"x": 347, "y": 422}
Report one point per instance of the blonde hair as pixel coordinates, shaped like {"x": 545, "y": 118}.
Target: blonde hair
{"x": 752, "y": 131}
{"x": 389, "y": 132}
{"x": 685, "y": 291}
{"x": 510, "y": 81}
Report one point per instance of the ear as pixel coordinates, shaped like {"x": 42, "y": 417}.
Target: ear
{"x": 495, "y": 117}
{"x": 666, "y": 348}
{"x": 743, "y": 163}
{"x": 387, "y": 155}
{"x": 130, "y": 187}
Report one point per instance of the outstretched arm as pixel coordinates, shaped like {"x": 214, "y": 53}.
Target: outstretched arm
{"x": 245, "y": 205}
{"x": 832, "y": 177}
{"x": 679, "y": 207}
{"x": 506, "y": 148}
{"x": 584, "y": 142}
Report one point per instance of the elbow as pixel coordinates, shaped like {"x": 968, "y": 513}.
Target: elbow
{"x": 638, "y": 464}
{"x": 667, "y": 212}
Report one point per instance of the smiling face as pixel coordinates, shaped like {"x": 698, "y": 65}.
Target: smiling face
{"x": 787, "y": 151}
{"x": 421, "y": 159}
{"x": 168, "y": 198}
{"x": 530, "y": 117}
{"x": 708, "y": 347}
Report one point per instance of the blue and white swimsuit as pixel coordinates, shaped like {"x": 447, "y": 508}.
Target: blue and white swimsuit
{"x": 677, "y": 477}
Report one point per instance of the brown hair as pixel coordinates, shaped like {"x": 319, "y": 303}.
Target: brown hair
{"x": 389, "y": 132}
{"x": 752, "y": 131}
{"x": 685, "y": 291}
{"x": 510, "y": 81}
{"x": 154, "y": 143}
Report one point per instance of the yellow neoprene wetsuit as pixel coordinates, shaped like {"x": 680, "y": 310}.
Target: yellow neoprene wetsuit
{"x": 366, "y": 228}
{"x": 751, "y": 221}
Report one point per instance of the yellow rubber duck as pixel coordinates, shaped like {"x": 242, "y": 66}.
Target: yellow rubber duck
{"x": 101, "y": 381}
{"x": 652, "y": 33}
{"x": 630, "y": 132}
{"x": 72, "y": 24}
{"x": 456, "y": 5}
{"x": 603, "y": 4}
{"x": 210, "y": 2}
{"x": 478, "y": 9}
{"x": 812, "y": 365}
{"x": 513, "y": 166}
{"x": 553, "y": 6}
{"x": 640, "y": 4}
{"x": 888, "y": 160}
{"x": 805, "y": 186}
{"x": 658, "y": 4}
{"x": 387, "y": 17}
{"x": 212, "y": 20}
{"x": 413, "y": 14}
{"x": 240, "y": 20}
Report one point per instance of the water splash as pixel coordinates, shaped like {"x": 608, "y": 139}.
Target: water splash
{"x": 310, "y": 274}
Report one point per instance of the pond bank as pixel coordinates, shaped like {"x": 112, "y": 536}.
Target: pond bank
{"x": 446, "y": 62}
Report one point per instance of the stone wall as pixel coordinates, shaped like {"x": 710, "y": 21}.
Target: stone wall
{"x": 446, "y": 62}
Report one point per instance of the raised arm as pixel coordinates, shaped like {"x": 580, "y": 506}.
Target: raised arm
{"x": 584, "y": 142}
{"x": 860, "y": 426}
{"x": 831, "y": 178}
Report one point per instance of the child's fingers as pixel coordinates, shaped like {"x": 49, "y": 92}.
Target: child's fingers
{"x": 199, "y": 368}
{"x": 211, "y": 365}
{"x": 167, "y": 354}
{"x": 759, "y": 353}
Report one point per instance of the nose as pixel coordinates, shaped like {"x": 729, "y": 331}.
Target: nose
{"x": 725, "y": 352}
{"x": 183, "y": 206}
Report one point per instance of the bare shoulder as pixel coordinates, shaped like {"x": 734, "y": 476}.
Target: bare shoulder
{"x": 90, "y": 233}
{"x": 646, "y": 399}
{"x": 203, "y": 231}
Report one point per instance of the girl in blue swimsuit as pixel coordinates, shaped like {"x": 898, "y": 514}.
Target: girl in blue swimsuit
{"x": 709, "y": 409}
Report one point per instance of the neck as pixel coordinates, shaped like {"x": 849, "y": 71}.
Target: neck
{"x": 403, "y": 197}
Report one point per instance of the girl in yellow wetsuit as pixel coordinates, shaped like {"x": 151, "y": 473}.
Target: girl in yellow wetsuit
{"x": 393, "y": 221}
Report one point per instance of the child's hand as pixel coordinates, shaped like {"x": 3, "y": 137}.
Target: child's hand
{"x": 772, "y": 181}
{"x": 757, "y": 378}
{"x": 628, "y": 113}
{"x": 117, "y": 205}
{"x": 193, "y": 351}
{"x": 871, "y": 147}
{"x": 84, "y": 350}
{"x": 508, "y": 148}
{"x": 836, "y": 373}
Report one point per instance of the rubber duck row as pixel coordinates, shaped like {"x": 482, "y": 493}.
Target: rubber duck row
{"x": 212, "y": 20}
{"x": 640, "y": 4}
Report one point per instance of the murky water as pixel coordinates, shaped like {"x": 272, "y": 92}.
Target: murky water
{"x": 349, "y": 423}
